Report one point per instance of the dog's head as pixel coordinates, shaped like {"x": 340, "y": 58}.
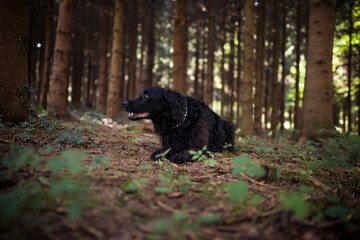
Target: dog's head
{"x": 155, "y": 103}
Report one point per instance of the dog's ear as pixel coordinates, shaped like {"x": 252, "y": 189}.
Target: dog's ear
{"x": 174, "y": 106}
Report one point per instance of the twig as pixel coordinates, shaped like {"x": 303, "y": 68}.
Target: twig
{"x": 4, "y": 141}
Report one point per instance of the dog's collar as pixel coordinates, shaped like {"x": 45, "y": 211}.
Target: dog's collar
{"x": 185, "y": 114}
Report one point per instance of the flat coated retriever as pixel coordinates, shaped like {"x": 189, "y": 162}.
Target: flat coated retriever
{"x": 183, "y": 123}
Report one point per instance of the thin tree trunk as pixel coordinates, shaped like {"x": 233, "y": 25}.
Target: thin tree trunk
{"x": 58, "y": 91}
{"x": 179, "y": 55}
{"x": 132, "y": 54}
{"x": 317, "y": 110}
{"x": 151, "y": 46}
{"x": 112, "y": 107}
{"x": 259, "y": 62}
{"x": 247, "y": 126}
{"x": 283, "y": 64}
{"x": 47, "y": 56}
{"x": 239, "y": 67}
{"x": 222, "y": 64}
{"x": 14, "y": 99}
{"x": 349, "y": 65}
{"x": 102, "y": 85}
{"x": 231, "y": 71}
{"x": 275, "y": 70}
{"x": 209, "y": 76}
{"x": 197, "y": 66}
{"x": 297, "y": 60}
{"x": 142, "y": 82}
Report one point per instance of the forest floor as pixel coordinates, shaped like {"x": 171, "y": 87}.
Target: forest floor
{"x": 86, "y": 180}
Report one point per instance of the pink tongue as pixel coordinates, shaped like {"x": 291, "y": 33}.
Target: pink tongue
{"x": 140, "y": 114}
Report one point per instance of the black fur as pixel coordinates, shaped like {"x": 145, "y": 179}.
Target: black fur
{"x": 183, "y": 123}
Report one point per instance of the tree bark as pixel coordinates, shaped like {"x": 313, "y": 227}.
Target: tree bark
{"x": 112, "y": 107}
{"x": 283, "y": 65}
{"x": 179, "y": 45}
{"x": 197, "y": 65}
{"x": 47, "y": 56}
{"x": 317, "y": 110}
{"x": 209, "y": 76}
{"x": 151, "y": 46}
{"x": 247, "y": 126}
{"x": 275, "y": 70}
{"x": 349, "y": 65}
{"x": 297, "y": 60}
{"x": 102, "y": 85}
{"x": 58, "y": 83}
{"x": 132, "y": 54}
{"x": 14, "y": 32}
{"x": 259, "y": 62}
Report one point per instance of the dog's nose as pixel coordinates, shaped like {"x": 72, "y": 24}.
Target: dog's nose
{"x": 126, "y": 103}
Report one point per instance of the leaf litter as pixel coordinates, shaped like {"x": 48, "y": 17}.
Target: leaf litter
{"x": 262, "y": 190}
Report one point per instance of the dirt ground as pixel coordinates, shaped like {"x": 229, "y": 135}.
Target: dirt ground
{"x": 196, "y": 207}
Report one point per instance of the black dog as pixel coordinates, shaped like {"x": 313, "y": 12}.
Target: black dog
{"x": 183, "y": 123}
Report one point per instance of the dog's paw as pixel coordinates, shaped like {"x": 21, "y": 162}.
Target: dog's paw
{"x": 157, "y": 155}
{"x": 178, "y": 159}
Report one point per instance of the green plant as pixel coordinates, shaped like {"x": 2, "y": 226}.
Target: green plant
{"x": 30, "y": 194}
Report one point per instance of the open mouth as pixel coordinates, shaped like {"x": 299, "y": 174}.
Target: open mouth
{"x": 137, "y": 116}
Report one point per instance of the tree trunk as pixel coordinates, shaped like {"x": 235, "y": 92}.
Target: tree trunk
{"x": 47, "y": 56}
{"x": 259, "y": 62}
{"x": 102, "y": 85}
{"x": 317, "y": 110}
{"x": 239, "y": 66}
{"x": 197, "y": 65}
{"x": 349, "y": 65}
{"x": 275, "y": 70}
{"x": 112, "y": 107}
{"x": 142, "y": 82}
{"x": 14, "y": 32}
{"x": 151, "y": 46}
{"x": 58, "y": 84}
{"x": 297, "y": 53}
{"x": 231, "y": 71}
{"x": 283, "y": 64}
{"x": 209, "y": 76}
{"x": 132, "y": 54}
{"x": 222, "y": 64}
{"x": 179, "y": 45}
{"x": 247, "y": 126}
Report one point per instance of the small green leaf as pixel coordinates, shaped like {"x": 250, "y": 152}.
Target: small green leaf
{"x": 144, "y": 167}
{"x": 209, "y": 218}
{"x": 161, "y": 189}
{"x": 55, "y": 164}
{"x": 74, "y": 210}
{"x": 295, "y": 202}
{"x": 164, "y": 178}
{"x": 210, "y": 162}
{"x": 161, "y": 226}
{"x": 237, "y": 191}
{"x": 131, "y": 186}
{"x": 180, "y": 216}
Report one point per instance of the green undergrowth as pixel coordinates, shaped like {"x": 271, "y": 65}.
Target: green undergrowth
{"x": 37, "y": 184}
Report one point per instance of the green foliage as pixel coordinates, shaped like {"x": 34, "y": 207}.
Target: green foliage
{"x": 243, "y": 164}
{"x": 295, "y": 203}
{"x": 69, "y": 189}
{"x": 162, "y": 156}
{"x": 62, "y": 135}
{"x": 237, "y": 191}
{"x": 203, "y": 154}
